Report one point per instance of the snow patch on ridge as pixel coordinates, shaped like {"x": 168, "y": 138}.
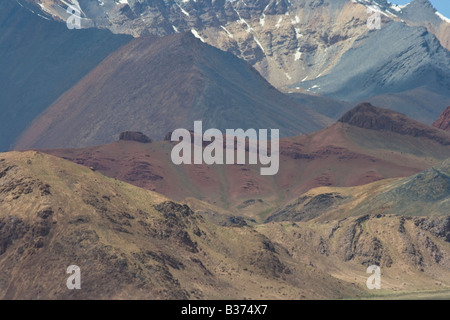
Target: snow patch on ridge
{"x": 444, "y": 18}
{"x": 182, "y": 10}
{"x": 259, "y": 44}
{"x": 195, "y": 33}
{"x": 228, "y": 32}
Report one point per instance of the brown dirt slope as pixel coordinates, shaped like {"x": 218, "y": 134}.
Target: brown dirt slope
{"x": 132, "y": 243}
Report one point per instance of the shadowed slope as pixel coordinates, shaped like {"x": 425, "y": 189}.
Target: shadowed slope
{"x": 39, "y": 61}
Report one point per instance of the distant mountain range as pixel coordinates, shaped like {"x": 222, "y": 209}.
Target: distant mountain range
{"x": 327, "y": 64}
{"x": 311, "y": 46}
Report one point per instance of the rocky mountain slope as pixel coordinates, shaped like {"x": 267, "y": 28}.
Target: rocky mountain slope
{"x": 367, "y": 116}
{"x": 40, "y": 60}
{"x": 415, "y": 61}
{"x": 422, "y": 13}
{"x": 372, "y": 188}
{"x": 444, "y": 120}
{"x": 366, "y": 145}
{"x": 401, "y": 225}
{"x": 54, "y": 213}
{"x": 130, "y": 243}
{"x": 157, "y": 85}
{"x": 424, "y": 194}
{"x": 261, "y": 30}
{"x": 412, "y": 252}
{"x": 321, "y": 46}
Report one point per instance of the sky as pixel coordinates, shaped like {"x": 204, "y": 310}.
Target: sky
{"x": 443, "y": 6}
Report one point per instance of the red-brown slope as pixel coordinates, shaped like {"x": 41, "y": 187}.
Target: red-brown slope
{"x": 340, "y": 155}
{"x": 367, "y": 116}
{"x": 444, "y": 120}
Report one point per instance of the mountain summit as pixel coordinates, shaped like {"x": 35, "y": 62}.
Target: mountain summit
{"x": 420, "y": 11}
{"x": 367, "y": 116}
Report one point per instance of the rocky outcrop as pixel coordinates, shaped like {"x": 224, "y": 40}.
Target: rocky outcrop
{"x": 367, "y": 116}
{"x": 307, "y": 207}
{"x": 444, "y": 120}
{"x": 437, "y": 226}
{"x": 135, "y": 136}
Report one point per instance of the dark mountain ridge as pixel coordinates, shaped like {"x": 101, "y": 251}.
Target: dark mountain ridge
{"x": 39, "y": 60}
